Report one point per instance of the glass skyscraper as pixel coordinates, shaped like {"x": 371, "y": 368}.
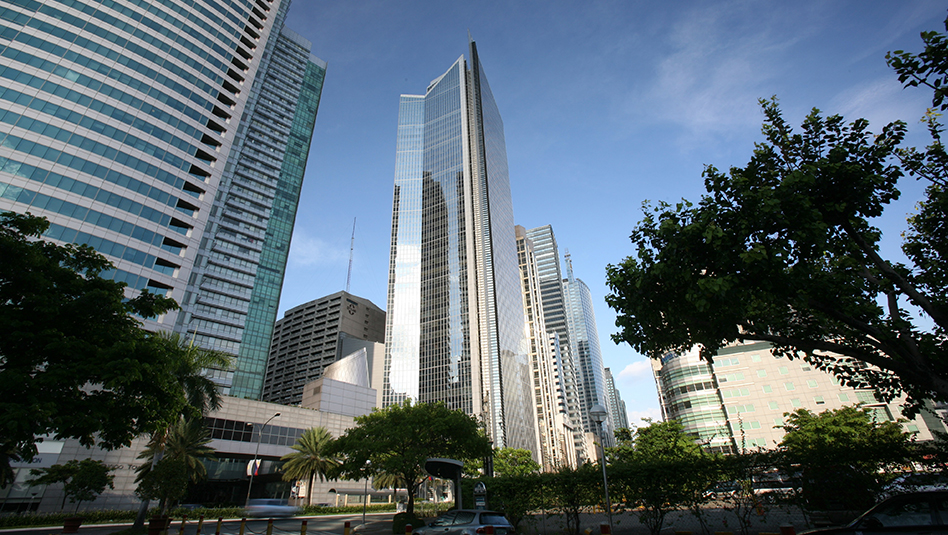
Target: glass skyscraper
{"x": 121, "y": 122}
{"x": 455, "y": 327}
{"x": 585, "y": 346}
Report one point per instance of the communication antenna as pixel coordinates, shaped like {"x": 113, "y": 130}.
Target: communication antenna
{"x": 351, "y": 249}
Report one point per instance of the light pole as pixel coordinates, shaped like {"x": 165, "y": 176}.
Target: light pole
{"x": 599, "y": 414}
{"x": 365, "y": 497}
{"x": 255, "y": 453}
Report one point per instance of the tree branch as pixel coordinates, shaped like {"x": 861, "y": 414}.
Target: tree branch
{"x": 907, "y": 288}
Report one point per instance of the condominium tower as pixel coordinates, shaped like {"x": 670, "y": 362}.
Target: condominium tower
{"x": 737, "y": 402}
{"x": 616, "y": 406}
{"x": 455, "y": 327}
{"x": 121, "y": 125}
{"x": 310, "y": 337}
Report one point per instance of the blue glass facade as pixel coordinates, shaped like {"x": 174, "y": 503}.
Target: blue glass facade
{"x": 455, "y": 328}
{"x": 117, "y": 121}
{"x": 234, "y": 294}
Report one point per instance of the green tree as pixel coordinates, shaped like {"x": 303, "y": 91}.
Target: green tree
{"x": 783, "y": 251}
{"x": 399, "y": 438}
{"x": 312, "y": 458}
{"x": 82, "y": 480}
{"x": 838, "y": 457}
{"x": 572, "y": 492}
{"x": 76, "y": 362}
{"x": 662, "y": 469}
{"x": 181, "y": 453}
{"x": 514, "y": 462}
{"x": 201, "y": 395}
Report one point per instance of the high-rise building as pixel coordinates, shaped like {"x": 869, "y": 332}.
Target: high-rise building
{"x": 620, "y": 420}
{"x": 234, "y": 292}
{"x": 455, "y": 330}
{"x": 555, "y": 313}
{"x": 555, "y": 429}
{"x": 122, "y": 122}
{"x": 584, "y": 338}
{"x": 737, "y": 403}
{"x": 310, "y": 337}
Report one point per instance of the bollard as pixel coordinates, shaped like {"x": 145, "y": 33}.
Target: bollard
{"x": 303, "y": 528}
{"x": 200, "y": 524}
{"x": 270, "y": 527}
{"x": 787, "y": 529}
{"x": 243, "y": 524}
{"x": 219, "y": 522}
{"x": 346, "y": 530}
{"x": 605, "y": 529}
{"x": 407, "y": 529}
{"x": 184, "y": 521}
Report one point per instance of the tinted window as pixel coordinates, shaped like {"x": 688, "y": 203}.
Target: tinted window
{"x": 464, "y": 517}
{"x": 494, "y": 519}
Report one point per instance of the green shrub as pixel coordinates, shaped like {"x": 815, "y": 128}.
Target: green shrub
{"x": 351, "y": 509}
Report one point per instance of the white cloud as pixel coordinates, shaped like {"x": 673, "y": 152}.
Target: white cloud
{"x": 307, "y": 250}
{"x": 639, "y": 369}
{"x": 635, "y": 416}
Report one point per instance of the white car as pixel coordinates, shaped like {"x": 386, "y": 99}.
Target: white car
{"x": 270, "y": 507}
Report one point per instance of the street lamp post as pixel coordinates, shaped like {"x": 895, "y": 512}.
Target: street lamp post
{"x": 599, "y": 414}
{"x": 255, "y": 454}
{"x": 365, "y": 497}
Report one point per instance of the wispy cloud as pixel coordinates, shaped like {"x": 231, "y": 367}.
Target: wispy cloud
{"x": 640, "y": 369}
{"x": 308, "y": 250}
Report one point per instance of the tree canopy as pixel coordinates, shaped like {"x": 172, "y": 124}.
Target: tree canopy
{"x": 784, "y": 251}
{"x": 82, "y": 480}
{"x": 837, "y": 457}
{"x": 514, "y": 462}
{"x": 76, "y": 362}
{"x": 399, "y": 438}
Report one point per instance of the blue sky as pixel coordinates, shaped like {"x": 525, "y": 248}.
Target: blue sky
{"x": 605, "y": 105}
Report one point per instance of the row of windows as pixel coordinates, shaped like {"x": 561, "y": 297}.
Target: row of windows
{"x": 64, "y": 183}
{"x": 148, "y": 77}
{"x": 223, "y": 429}
{"x": 71, "y": 138}
{"x": 68, "y": 209}
{"x": 67, "y": 115}
{"x": 111, "y": 52}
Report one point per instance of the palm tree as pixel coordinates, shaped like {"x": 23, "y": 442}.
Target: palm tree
{"x": 185, "y": 445}
{"x": 202, "y": 394}
{"x": 310, "y": 459}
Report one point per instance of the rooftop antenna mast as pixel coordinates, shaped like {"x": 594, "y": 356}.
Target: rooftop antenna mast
{"x": 351, "y": 249}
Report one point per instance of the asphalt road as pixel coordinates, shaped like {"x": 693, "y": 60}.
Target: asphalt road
{"x": 375, "y": 524}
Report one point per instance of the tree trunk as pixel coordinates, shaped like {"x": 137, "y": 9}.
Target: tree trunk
{"x": 312, "y": 484}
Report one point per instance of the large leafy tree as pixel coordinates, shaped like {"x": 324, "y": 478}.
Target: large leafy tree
{"x": 82, "y": 480}
{"x": 74, "y": 359}
{"x": 658, "y": 469}
{"x": 399, "y": 438}
{"x": 311, "y": 459}
{"x": 783, "y": 250}
{"x": 514, "y": 462}
{"x": 838, "y": 457}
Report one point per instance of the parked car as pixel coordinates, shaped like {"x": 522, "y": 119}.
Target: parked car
{"x": 915, "y": 482}
{"x": 268, "y": 507}
{"x": 466, "y": 522}
{"x": 915, "y": 512}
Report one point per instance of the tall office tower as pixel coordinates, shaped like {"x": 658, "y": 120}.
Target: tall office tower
{"x": 119, "y": 120}
{"x": 310, "y": 337}
{"x": 455, "y": 330}
{"x": 585, "y": 345}
{"x": 738, "y": 402}
{"x": 555, "y": 312}
{"x": 554, "y": 426}
{"x": 620, "y": 420}
{"x": 234, "y": 292}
